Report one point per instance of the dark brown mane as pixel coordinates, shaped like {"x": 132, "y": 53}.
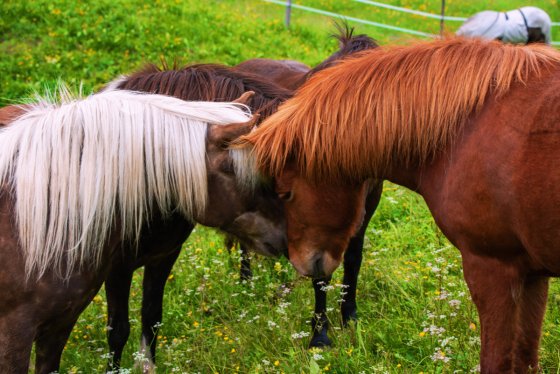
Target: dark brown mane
{"x": 400, "y": 103}
{"x": 207, "y": 82}
{"x": 348, "y": 45}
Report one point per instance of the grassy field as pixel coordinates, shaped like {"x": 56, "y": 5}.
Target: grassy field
{"x": 415, "y": 312}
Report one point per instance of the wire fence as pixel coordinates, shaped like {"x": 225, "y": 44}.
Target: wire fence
{"x": 289, "y": 5}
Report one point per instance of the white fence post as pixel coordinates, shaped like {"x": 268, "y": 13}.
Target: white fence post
{"x": 442, "y": 21}
{"x": 288, "y": 12}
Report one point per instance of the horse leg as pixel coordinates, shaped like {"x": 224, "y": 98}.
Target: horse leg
{"x": 16, "y": 340}
{"x": 320, "y": 322}
{"x": 50, "y": 343}
{"x": 495, "y": 288}
{"x": 352, "y": 264}
{"x": 245, "y": 272}
{"x": 117, "y": 289}
{"x": 353, "y": 257}
{"x": 531, "y": 313}
{"x": 155, "y": 277}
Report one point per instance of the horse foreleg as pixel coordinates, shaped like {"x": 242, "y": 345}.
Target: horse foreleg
{"x": 50, "y": 343}
{"x": 495, "y": 288}
{"x": 16, "y": 339}
{"x": 352, "y": 264}
{"x": 353, "y": 256}
{"x": 155, "y": 277}
{"x": 117, "y": 289}
{"x": 531, "y": 313}
{"x": 320, "y": 322}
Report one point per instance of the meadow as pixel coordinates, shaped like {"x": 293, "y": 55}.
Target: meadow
{"x": 415, "y": 313}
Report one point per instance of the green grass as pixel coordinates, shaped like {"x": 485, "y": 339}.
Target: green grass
{"x": 213, "y": 322}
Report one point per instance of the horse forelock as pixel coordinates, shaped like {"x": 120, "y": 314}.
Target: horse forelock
{"x": 77, "y": 168}
{"x": 389, "y": 105}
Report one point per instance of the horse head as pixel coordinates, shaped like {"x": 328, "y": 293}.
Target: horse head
{"x": 321, "y": 220}
{"x": 254, "y": 215}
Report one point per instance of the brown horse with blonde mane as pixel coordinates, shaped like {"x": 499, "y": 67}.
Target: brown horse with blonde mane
{"x": 472, "y": 126}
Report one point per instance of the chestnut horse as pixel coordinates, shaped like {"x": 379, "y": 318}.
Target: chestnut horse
{"x": 82, "y": 178}
{"x": 472, "y": 126}
{"x": 217, "y": 82}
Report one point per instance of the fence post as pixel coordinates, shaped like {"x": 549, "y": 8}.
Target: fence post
{"x": 442, "y": 20}
{"x": 288, "y": 12}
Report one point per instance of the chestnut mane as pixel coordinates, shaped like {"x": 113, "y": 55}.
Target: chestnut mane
{"x": 392, "y": 104}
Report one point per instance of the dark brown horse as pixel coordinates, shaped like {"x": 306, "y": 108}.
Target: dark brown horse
{"x": 472, "y": 126}
{"x": 203, "y": 82}
{"x": 292, "y": 74}
{"x": 218, "y": 82}
{"x": 84, "y": 179}
{"x": 288, "y": 74}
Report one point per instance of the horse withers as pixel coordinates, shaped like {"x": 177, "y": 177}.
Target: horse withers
{"x": 472, "y": 126}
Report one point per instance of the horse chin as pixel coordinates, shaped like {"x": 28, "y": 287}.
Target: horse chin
{"x": 314, "y": 264}
{"x": 259, "y": 235}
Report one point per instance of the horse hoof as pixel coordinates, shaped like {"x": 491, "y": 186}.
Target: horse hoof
{"x": 320, "y": 341}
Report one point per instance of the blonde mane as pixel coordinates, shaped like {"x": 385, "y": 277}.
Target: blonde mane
{"x": 79, "y": 168}
{"x": 397, "y": 104}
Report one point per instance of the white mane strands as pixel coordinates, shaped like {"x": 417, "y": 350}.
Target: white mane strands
{"x": 74, "y": 167}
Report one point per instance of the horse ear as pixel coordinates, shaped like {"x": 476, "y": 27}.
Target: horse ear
{"x": 245, "y": 98}
{"x": 10, "y": 113}
{"x": 225, "y": 134}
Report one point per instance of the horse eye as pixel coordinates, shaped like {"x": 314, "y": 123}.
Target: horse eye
{"x": 227, "y": 166}
{"x": 286, "y": 196}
